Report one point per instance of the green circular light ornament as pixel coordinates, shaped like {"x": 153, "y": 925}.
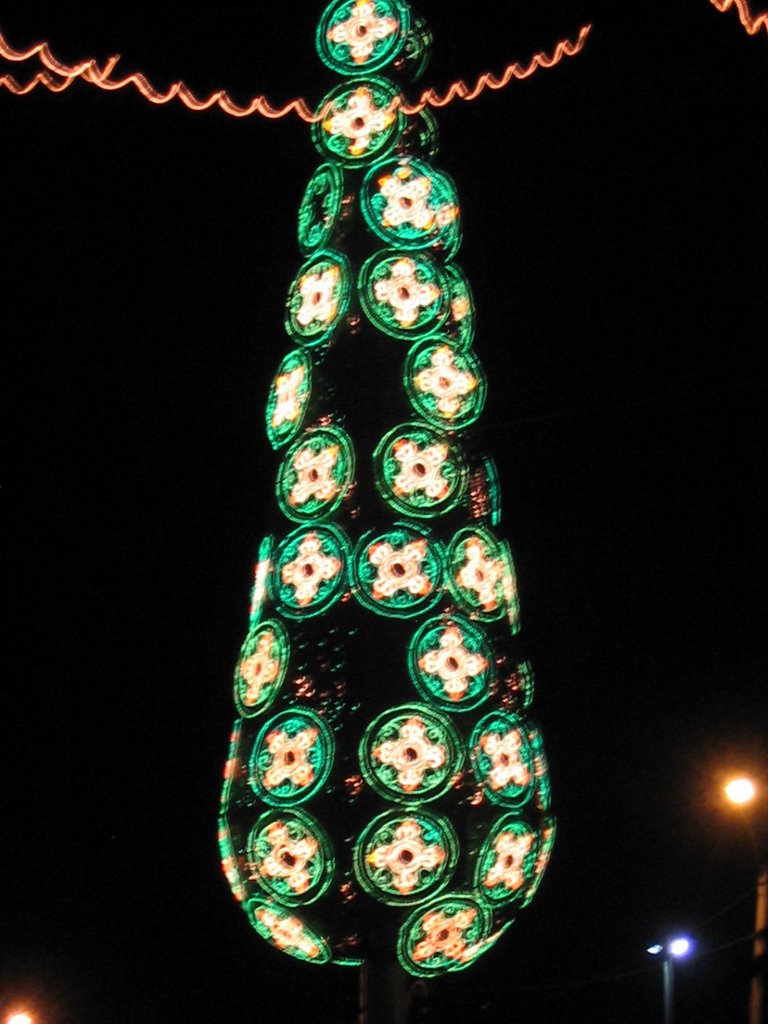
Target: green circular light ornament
{"x": 448, "y": 934}
{"x": 401, "y": 858}
{"x": 502, "y": 759}
{"x": 418, "y": 471}
{"x": 400, "y": 572}
{"x": 260, "y": 576}
{"x": 404, "y": 294}
{"x": 411, "y": 754}
{"x": 459, "y": 328}
{"x": 261, "y": 668}
{"x": 287, "y": 932}
{"x": 318, "y": 298}
{"x": 288, "y": 398}
{"x": 229, "y": 862}
{"x": 481, "y": 576}
{"x": 506, "y": 864}
{"x": 359, "y": 121}
{"x": 451, "y": 663}
{"x": 540, "y": 768}
{"x": 362, "y": 35}
{"x": 310, "y": 572}
{"x": 545, "y": 845}
{"x": 315, "y": 474}
{"x": 321, "y": 208}
{"x": 445, "y": 385}
{"x": 410, "y": 205}
{"x": 291, "y": 857}
{"x": 291, "y": 758}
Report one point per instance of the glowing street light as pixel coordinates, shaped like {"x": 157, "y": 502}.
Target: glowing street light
{"x": 672, "y": 950}
{"x": 740, "y": 791}
{"x": 19, "y": 1018}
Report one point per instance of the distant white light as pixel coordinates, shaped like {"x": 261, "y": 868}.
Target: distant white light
{"x": 655, "y": 949}
{"x": 740, "y": 791}
{"x": 679, "y": 947}
{"x": 19, "y": 1018}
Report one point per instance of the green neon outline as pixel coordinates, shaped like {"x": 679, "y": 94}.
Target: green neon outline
{"x": 402, "y": 604}
{"x": 342, "y": 474}
{"x": 548, "y": 833}
{"x": 486, "y": 601}
{"x": 540, "y": 767}
{"x": 279, "y": 651}
{"x": 230, "y": 765}
{"x": 377, "y": 269}
{"x": 338, "y": 57}
{"x": 320, "y": 756}
{"x": 288, "y": 428}
{"x": 335, "y": 146}
{"x": 387, "y": 727}
{"x": 502, "y": 723}
{"x": 436, "y": 829}
{"x": 255, "y": 905}
{"x": 457, "y": 329}
{"x": 478, "y": 933}
{"x": 258, "y": 596}
{"x": 320, "y": 208}
{"x": 442, "y": 200}
{"x": 318, "y": 332}
{"x": 500, "y": 893}
{"x": 388, "y": 470}
{"x": 229, "y": 862}
{"x": 319, "y": 865}
{"x": 429, "y": 684}
{"x": 430, "y": 366}
{"x": 333, "y": 544}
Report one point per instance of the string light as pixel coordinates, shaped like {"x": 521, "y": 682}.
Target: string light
{"x": 89, "y": 71}
{"x": 752, "y": 24}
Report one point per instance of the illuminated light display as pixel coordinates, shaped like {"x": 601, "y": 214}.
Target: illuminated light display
{"x": 411, "y": 206}
{"x": 287, "y": 932}
{"x": 229, "y": 863}
{"x": 404, "y": 857}
{"x": 502, "y": 759}
{"x": 750, "y": 22}
{"x": 318, "y": 298}
{"x": 261, "y": 668}
{"x": 404, "y": 295}
{"x": 291, "y": 758}
{"x": 540, "y": 768}
{"x": 90, "y": 72}
{"x": 447, "y": 934}
{"x": 411, "y": 754}
{"x": 290, "y": 856}
{"x": 362, "y": 121}
{"x": 421, "y": 137}
{"x": 310, "y": 571}
{"x": 451, "y": 663}
{"x": 321, "y": 207}
{"x": 260, "y": 576}
{"x": 399, "y": 572}
{"x": 419, "y": 472}
{"x": 546, "y": 843}
{"x": 484, "y": 491}
{"x": 445, "y": 384}
{"x": 481, "y": 576}
{"x": 355, "y": 35}
{"x": 459, "y": 328}
{"x": 288, "y": 398}
{"x": 506, "y": 864}
{"x": 315, "y": 474}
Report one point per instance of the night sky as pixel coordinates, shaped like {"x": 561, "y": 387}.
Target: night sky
{"x": 615, "y": 223}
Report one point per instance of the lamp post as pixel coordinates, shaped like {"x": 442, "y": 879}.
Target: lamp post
{"x": 742, "y": 792}
{"x": 672, "y": 950}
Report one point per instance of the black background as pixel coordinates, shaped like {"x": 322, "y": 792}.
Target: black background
{"x": 614, "y": 214}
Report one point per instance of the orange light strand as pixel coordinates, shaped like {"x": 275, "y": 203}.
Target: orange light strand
{"x": 89, "y": 71}
{"x": 752, "y": 24}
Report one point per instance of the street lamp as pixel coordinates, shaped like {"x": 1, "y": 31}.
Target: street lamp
{"x": 742, "y": 792}
{"x": 671, "y": 950}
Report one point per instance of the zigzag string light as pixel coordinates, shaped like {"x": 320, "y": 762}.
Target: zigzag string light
{"x": 752, "y": 23}
{"x": 89, "y": 71}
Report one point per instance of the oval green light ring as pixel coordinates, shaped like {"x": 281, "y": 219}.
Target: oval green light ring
{"x": 291, "y": 757}
{"x": 261, "y": 572}
{"x": 320, "y": 208}
{"x": 445, "y": 384}
{"x": 481, "y": 576}
{"x": 318, "y": 298}
{"x": 315, "y": 474}
{"x": 546, "y": 843}
{"x": 446, "y": 935}
{"x": 418, "y": 471}
{"x": 506, "y": 864}
{"x": 310, "y": 571}
{"x": 409, "y": 205}
{"x": 287, "y": 932}
{"x": 288, "y": 398}
{"x": 352, "y": 38}
{"x": 502, "y": 759}
{"x": 451, "y": 663}
{"x": 362, "y": 121}
{"x": 261, "y": 668}
{"x": 291, "y": 856}
{"x": 399, "y": 572}
{"x": 404, "y": 294}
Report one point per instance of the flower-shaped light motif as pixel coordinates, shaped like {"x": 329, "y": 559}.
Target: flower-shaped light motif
{"x": 260, "y": 669}
{"x": 319, "y": 302}
{"x": 420, "y": 469}
{"x": 405, "y": 293}
{"x": 360, "y": 120}
{"x": 288, "y": 404}
{"x": 481, "y": 574}
{"x": 289, "y": 758}
{"x": 407, "y": 856}
{"x": 412, "y": 755}
{"x": 362, "y": 30}
{"x": 506, "y": 765}
{"x": 288, "y": 857}
{"x": 309, "y": 569}
{"x": 511, "y": 850}
{"x": 447, "y": 383}
{"x": 407, "y": 202}
{"x": 453, "y": 663}
{"x": 460, "y": 307}
{"x": 444, "y": 935}
{"x": 399, "y": 569}
{"x": 313, "y": 470}
{"x": 287, "y": 932}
